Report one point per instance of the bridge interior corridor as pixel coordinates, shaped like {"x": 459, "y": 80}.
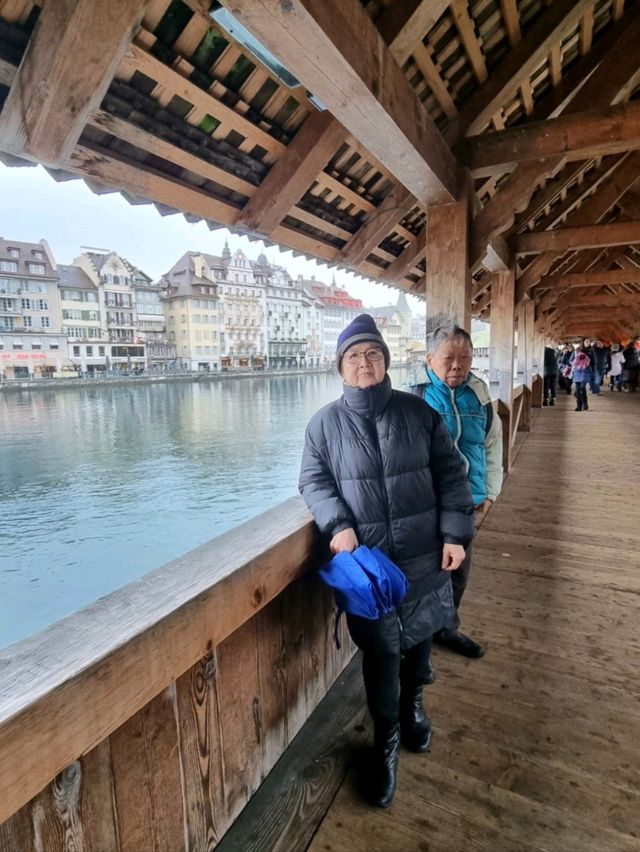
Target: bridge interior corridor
{"x": 537, "y": 745}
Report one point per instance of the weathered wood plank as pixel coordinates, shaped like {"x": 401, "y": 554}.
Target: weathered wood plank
{"x": 366, "y": 91}
{"x": 394, "y": 207}
{"x": 194, "y": 601}
{"x": 595, "y": 278}
{"x": 448, "y": 273}
{"x": 311, "y": 149}
{"x": 239, "y": 718}
{"x": 580, "y": 237}
{"x": 575, "y": 137}
{"x": 147, "y": 778}
{"x": 201, "y": 754}
{"x": 284, "y": 813}
{"x": 97, "y": 804}
{"x": 69, "y": 63}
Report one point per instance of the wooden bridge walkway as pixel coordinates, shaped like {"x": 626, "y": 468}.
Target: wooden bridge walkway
{"x": 536, "y": 746}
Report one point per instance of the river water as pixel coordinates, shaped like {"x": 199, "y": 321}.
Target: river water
{"x": 99, "y": 485}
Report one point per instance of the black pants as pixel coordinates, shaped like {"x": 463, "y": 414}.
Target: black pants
{"x": 550, "y": 383}
{"x": 581, "y": 396}
{"x": 383, "y": 674}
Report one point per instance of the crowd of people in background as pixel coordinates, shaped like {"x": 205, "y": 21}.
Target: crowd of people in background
{"x": 586, "y": 365}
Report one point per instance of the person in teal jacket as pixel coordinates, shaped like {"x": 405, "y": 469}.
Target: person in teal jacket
{"x": 463, "y": 401}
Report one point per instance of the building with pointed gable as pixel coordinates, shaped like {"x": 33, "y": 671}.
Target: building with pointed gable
{"x": 32, "y": 344}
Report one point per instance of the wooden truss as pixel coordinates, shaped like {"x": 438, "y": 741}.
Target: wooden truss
{"x": 382, "y": 137}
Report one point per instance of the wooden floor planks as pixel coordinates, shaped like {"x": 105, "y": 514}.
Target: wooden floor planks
{"x": 536, "y": 746}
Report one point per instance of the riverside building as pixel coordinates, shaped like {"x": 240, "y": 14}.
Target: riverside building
{"x": 192, "y": 310}
{"x": 114, "y": 279}
{"x": 32, "y": 344}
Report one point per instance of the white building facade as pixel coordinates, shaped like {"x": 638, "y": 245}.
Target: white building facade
{"x": 32, "y": 344}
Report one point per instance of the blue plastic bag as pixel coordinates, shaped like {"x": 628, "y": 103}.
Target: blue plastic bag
{"x": 366, "y": 582}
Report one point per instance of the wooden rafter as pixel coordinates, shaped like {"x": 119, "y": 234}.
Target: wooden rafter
{"x": 545, "y": 198}
{"x": 584, "y": 236}
{"x": 576, "y": 194}
{"x": 413, "y": 253}
{"x": 404, "y": 24}
{"x": 469, "y": 39}
{"x": 575, "y": 136}
{"x": 511, "y": 20}
{"x": 592, "y": 211}
{"x": 608, "y": 84}
{"x": 68, "y": 65}
{"x": 395, "y": 206}
{"x": 366, "y": 89}
{"x": 288, "y": 179}
{"x": 517, "y": 67}
{"x": 432, "y": 76}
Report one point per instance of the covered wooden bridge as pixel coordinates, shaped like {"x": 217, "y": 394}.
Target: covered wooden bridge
{"x": 484, "y": 155}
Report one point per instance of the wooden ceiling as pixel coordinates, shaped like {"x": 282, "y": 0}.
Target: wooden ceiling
{"x": 538, "y": 101}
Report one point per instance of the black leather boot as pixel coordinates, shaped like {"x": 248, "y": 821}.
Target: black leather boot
{"x": 385, "y": 764}
{"x": 415, "y": 725}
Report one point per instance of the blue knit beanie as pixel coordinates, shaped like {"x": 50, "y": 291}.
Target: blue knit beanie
{"x": 363, "y": 329}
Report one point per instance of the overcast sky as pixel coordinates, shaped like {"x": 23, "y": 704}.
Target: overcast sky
{"x": 68, "y": 215}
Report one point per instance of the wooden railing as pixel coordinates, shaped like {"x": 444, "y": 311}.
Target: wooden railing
{"x": 517, "y": 418}
{"x": 148, "y": 719}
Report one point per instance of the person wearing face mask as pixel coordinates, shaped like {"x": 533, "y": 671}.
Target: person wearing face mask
{"x": 463, "y": 401}
{"x": 380, "y": 469}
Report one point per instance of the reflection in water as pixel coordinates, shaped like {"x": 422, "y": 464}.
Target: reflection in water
{"x": 100, "y": 485}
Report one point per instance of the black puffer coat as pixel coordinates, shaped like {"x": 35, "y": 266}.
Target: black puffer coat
{"x": 382, "y": 462}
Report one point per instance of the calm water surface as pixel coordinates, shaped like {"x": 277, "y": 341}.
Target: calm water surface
{"x": 100, "y": 485}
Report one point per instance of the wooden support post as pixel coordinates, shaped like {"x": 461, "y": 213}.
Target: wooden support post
{"x": 520, "y": 349}
{"x": 537, "y": 382}
{"x": 526, "y": 316}
{"x": 448, "y": 273}
{"x": 501, "y": 353}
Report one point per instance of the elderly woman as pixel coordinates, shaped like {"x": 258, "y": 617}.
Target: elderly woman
{"x": 380, "y": 469}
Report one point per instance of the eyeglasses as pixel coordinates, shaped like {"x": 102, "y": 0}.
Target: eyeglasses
{"x": 371, "y": 355}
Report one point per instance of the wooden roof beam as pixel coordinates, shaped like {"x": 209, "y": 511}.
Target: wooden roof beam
{"x": 607, "y": 300}
{"x": 576, "y": 136}
{"x": 584, "y": 236}
{"x": 287, "y": 181}
{"x": 591, "y": 211}
{"x": 334, "y": 49}
{"x": 412, "y": 254}
{"x": 69, "y": 62}
{"x": 610, "y": 83}
{"x": 584, "y": 261}
{"x": 321, "y": 134}
{"x": 517, "y": 67}
{"x": 394, "y": 207}
{"x": 595, "y": 278}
